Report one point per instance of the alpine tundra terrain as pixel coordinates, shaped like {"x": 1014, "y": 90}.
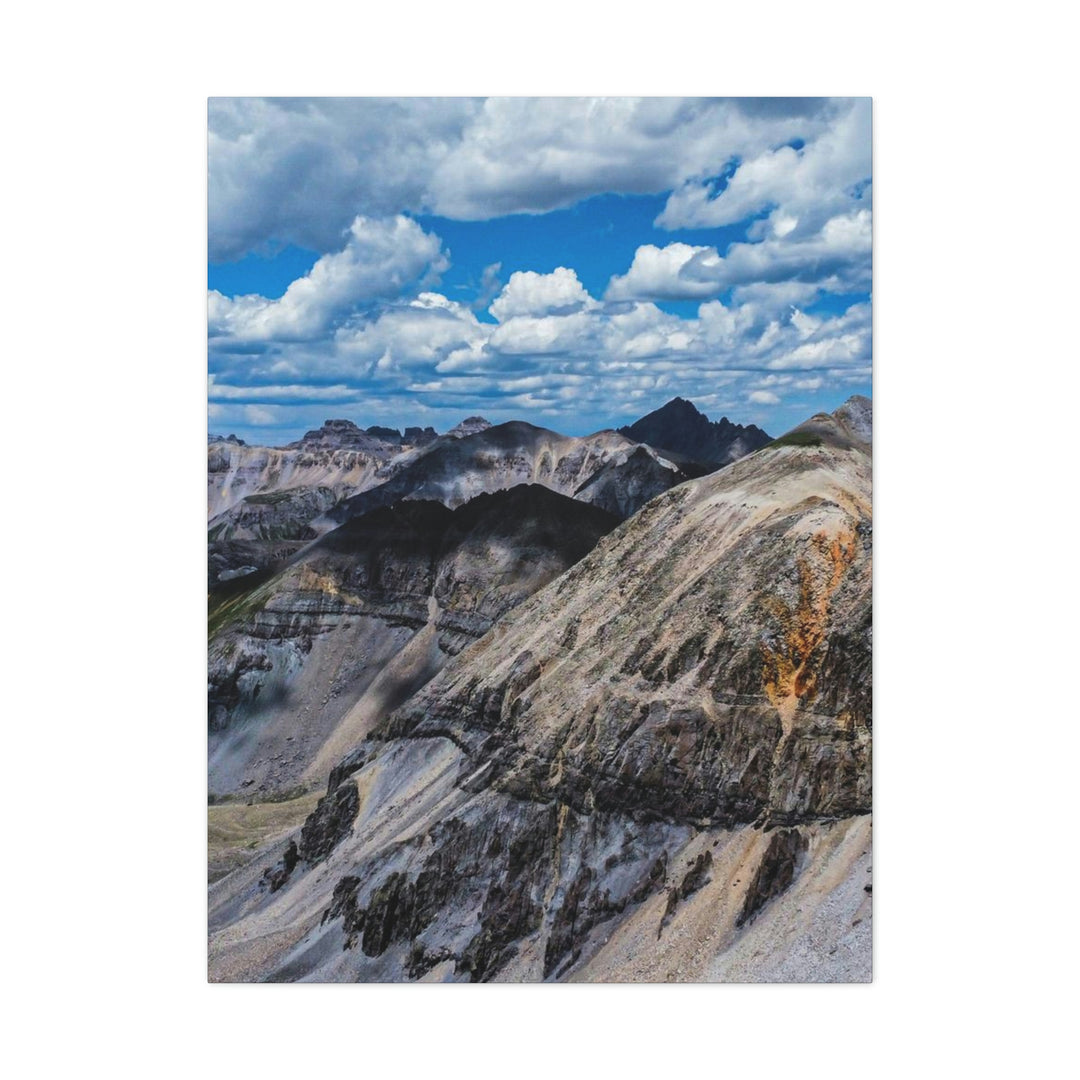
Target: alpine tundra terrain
{"x": 491, "y": 733}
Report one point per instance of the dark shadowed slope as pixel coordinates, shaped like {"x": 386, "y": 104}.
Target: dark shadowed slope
{"x": 324, "y": 648}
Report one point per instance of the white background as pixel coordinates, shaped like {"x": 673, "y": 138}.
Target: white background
{"x": 974, "y": 388}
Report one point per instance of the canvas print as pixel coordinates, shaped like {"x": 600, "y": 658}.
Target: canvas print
{"x": 539, "y": 540}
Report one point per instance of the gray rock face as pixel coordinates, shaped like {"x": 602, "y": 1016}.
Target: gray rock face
{"x": 236, "y": 472}
{"x": 627, "y": 481}
{"x": 656, "y": 768}
{"x": 857, "y": 418}
{"x": 415, "y": 436}
{"x": 229, "y": 560}
{"x": 275, "y": 515}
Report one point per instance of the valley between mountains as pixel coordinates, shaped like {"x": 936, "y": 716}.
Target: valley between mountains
{"x": 507, "y": 705}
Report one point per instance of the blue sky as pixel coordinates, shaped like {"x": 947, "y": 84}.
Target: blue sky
{"x": 571, "y": 262}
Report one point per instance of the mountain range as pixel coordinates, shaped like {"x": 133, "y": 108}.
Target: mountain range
{"x": 265, "y": 503}
{"x": 509, "y": 705}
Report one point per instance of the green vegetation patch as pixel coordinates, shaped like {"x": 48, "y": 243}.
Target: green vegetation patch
{"x": 236, "y": 830}
{"x": 795, "y": 438}
{"x": 236, "y": 599}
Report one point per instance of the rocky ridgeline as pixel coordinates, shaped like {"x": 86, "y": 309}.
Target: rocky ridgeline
{"x": 604, "y": 469}
{"x": 706, "y": 663}
{"x": 345, "y": 435}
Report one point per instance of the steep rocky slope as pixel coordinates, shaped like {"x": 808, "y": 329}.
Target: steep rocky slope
{"x": 678, "y": 427}
{"x": 452, "y": 471}
{"x": 657, "y": 768}
{"x": 627, "y": 481}
{"x": 275, "y": 515}
{"x": 306, "y": 661}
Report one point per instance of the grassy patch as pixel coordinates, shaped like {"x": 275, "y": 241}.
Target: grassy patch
{"x": 795, "y": 438}
{"x": 232, "y": 600}
{"x": 235, "y": 831}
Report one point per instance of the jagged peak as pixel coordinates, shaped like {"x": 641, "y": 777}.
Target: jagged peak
{"x": 337, "y": 434}
{"x": 469, "y": 426}
{"x": 680, "y": 426}
{"x": 856, "y": 416}
{"x": 677, "y": 405}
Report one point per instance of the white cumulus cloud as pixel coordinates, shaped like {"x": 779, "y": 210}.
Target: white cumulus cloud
{"x": 656, "y": 274}
{"x": 299, "y": 170}
{"x": 532, "y": 294}
{"x": 763, "y": 397}
{"x": 381, "y": 259}
{"x": 803, "y": 185}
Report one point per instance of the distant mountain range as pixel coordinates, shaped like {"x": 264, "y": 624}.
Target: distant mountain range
{"x": 338, "y": 470}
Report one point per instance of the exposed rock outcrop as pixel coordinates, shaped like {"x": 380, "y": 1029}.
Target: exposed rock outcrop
{"x": 775, "y": 872}
{"x": 330, "y": 822}
{"x": 236, "y": 472}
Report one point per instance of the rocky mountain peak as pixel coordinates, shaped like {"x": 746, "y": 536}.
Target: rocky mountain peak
{"x": 344, "y": 435}
{"x": 678, "y": 406}
{"x": 469, "y": 426}
{"x": 417, "y": 436}
{"x": 388, "y": 434}
{"x": 856, "y": 415}
{"x": 680, "y": 427}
